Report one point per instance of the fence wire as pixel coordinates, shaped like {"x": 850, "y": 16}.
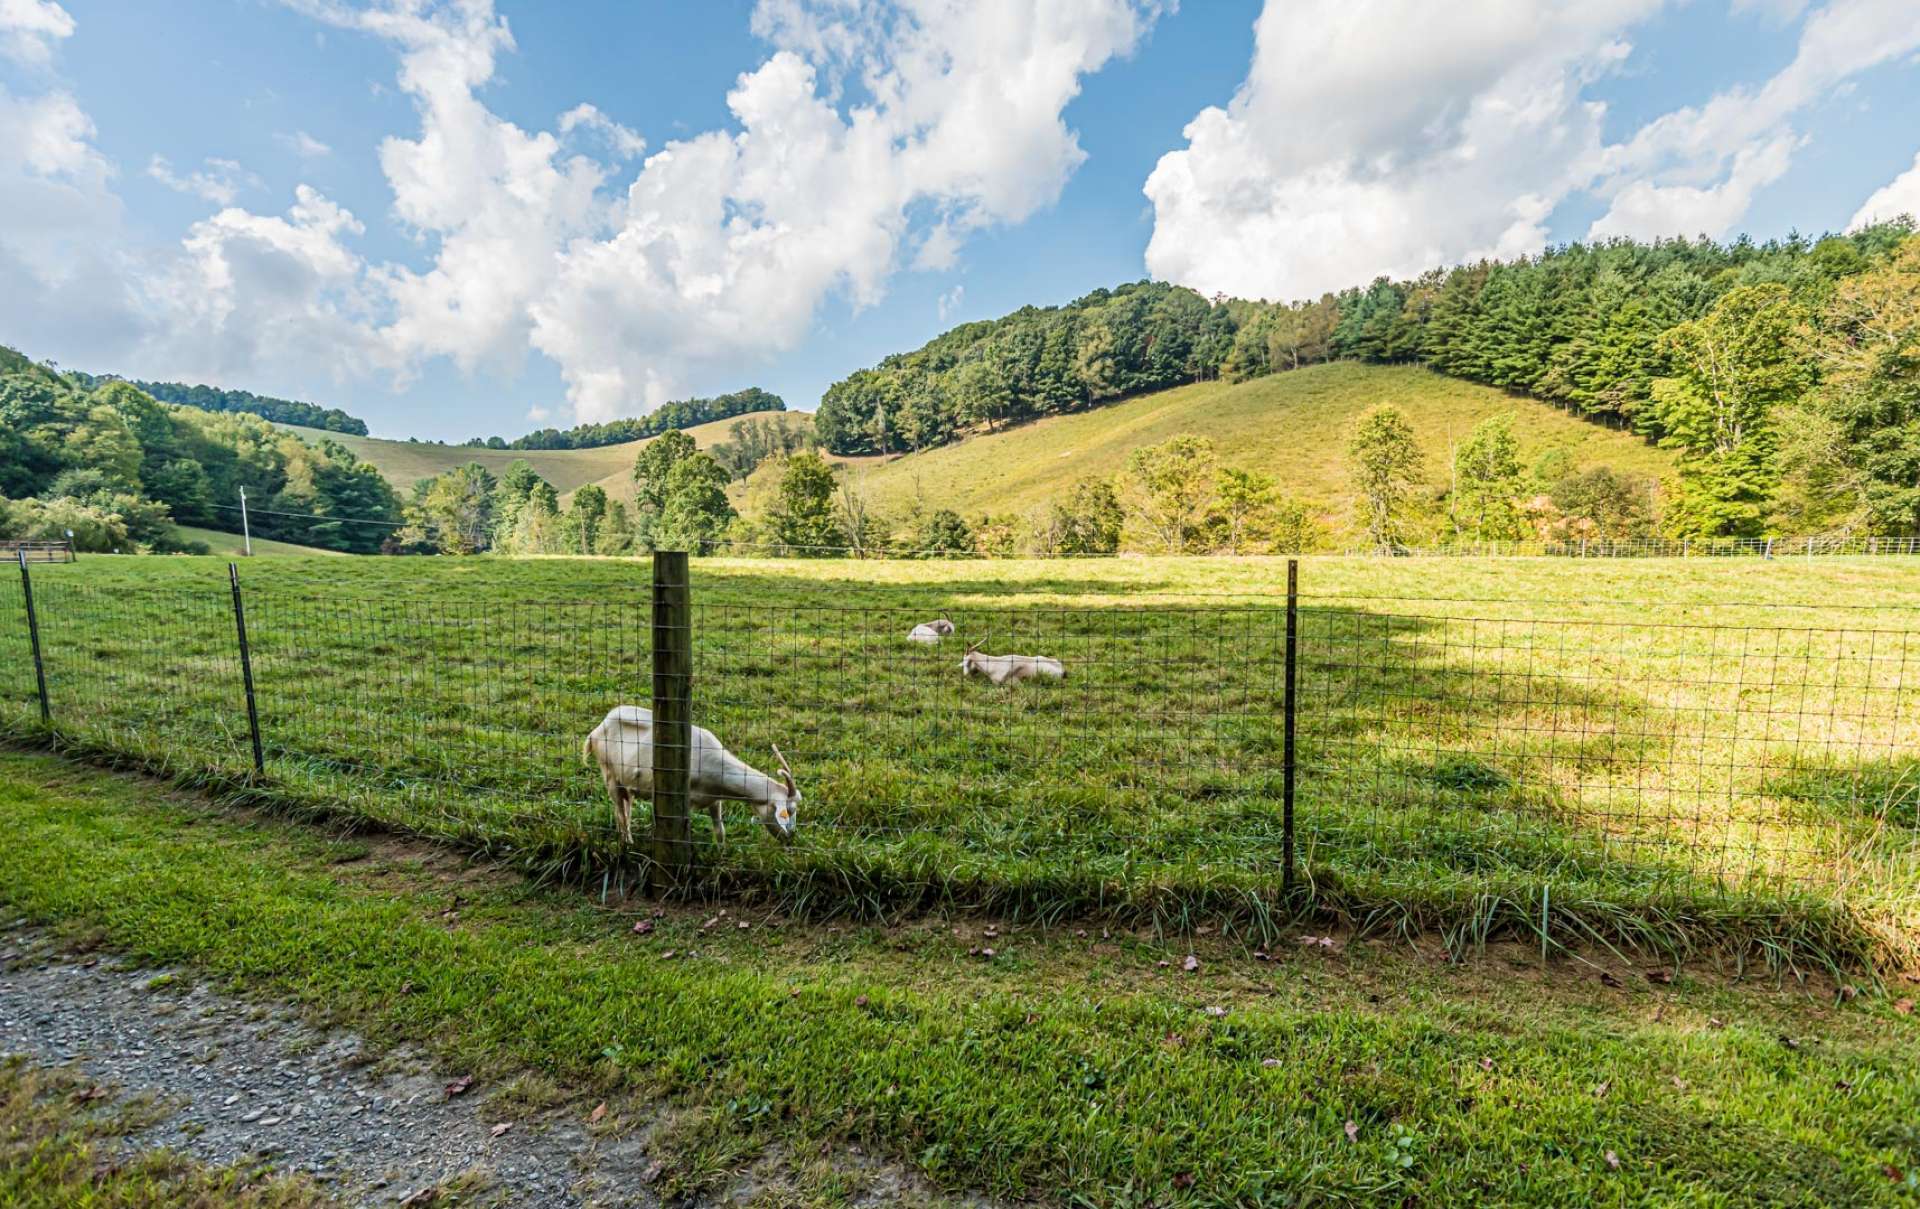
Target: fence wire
{"x": 1489, "y": 745}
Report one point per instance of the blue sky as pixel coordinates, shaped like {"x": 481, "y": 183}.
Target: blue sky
{"x": 379, "y": 204}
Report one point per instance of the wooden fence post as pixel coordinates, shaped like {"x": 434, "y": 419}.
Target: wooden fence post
{"x": 672, "y": 718}
{"x": 246, "y": 669}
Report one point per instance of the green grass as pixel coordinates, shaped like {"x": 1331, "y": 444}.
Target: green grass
{"x": 1294, "y": 426}
{"x": 1067, "y": 1069}
{"x": 59, "y": 1138}
{"x": 405, "y": 463}
{"x": 231, "y": 545}
{"x": 1697, "y": 763}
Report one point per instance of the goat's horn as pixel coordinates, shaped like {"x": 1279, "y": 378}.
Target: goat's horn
{"x": 976, "y": 646}
{"x": 785, "y": 768}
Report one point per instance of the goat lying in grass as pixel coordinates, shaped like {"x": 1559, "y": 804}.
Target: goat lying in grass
{"x": 929, "y": 633}
{"x": 1002, "y": 669}
{"x": 623, "y": 747}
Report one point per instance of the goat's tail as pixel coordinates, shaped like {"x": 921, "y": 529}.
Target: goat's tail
{"x": 586, "y": 751}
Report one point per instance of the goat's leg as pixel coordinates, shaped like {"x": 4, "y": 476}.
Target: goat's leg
{"x": 719, "y": 822}
{"x": 622, "y": 809}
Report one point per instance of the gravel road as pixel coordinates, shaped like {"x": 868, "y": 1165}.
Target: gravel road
{"x": 244, "y": 1080}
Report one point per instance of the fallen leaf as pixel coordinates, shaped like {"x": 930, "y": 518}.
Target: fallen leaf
{"x": 1848, "y": 992}
{"x": 709, "y": 923}
{"x": 1191, "y": 964}
{"x": 501, "y": 1128}
{"x": 643, "y": 928}
{"x": 1613, "y": 1160}
{"x": 1216, "y": 1011}
{"x": 1789, "y": 1042}
{"x": 95, "y": 1092}
{"x": 1353, "y": 1131}
{"x": 1260, "y": 955}
{"x": 406, "y": 988}
{"x": 1269, "y": 1062}
{"x": 1893, "y": 1173}
{"x": 1903, "y": 1006}
{"x": 743, "y": 925}
{"x": 652, "y": 1172}
{"x": 1661, "y": 977}
{"x": 859, "y": 1001}
{"x": 1486, "y": 1064}
{"x": 426, "y": 1196}
{"x": 1600, "y": 1092}
{"x": 1081, "y": 933}
{"x": 1163, "y": 964}
{"x": 1679, "y": 1084}
{"x": 459, "y": 1086}
{"x": 986, "y": 952}
{"x": 1608, "y": 980}
{"x": 1715, "y": 1022}
{"x": 599, "y": 1113}
{"x": 666, "y": 955}
{"x": 1183, "y": 1180}
{"x": 1842, "y": 1085}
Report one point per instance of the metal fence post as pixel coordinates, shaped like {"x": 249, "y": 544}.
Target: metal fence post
{"x": 672, "y": 716}
{"x": 246, "y": 668}
{"x": 1290, "y": 708}
{"x": 33, "y": 633}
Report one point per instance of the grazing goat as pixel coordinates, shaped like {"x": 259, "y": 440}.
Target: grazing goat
{"x": 1004, "y": 668}
{"x": 623, "y": 747}
{"x": 929, "y": 633}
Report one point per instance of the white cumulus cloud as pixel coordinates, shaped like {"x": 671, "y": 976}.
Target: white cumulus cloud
{"x": 303, "y": 145}
{"x": 1391, "y": 136}
{"x": 1899, "y": 196}
{"x": 29, "y": 30}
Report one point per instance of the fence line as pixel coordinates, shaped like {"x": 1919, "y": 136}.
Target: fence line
{"x": 1206, "y": 749}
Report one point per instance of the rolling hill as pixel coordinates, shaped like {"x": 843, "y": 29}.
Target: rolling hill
{"x": 405, "y": 463}
{"x": 1291, "y": 425}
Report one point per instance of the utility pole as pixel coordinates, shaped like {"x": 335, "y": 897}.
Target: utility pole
{"x": 246, "y": 531}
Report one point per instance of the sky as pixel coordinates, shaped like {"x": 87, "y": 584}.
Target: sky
{"x": 461, "y": 218}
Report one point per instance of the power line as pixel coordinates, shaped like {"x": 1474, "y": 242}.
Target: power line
{"x": 314, "y": 516}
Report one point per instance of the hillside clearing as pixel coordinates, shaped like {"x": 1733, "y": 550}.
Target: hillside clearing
{"x": 233, "y": 545}
{"x": 1294, "y": 426}
{"x": 405, "y": 463}
{"x": 1066, "y": 1068}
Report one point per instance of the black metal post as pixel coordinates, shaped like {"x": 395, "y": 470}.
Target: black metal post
{"x": 1290, "y": 707}
{"x": 672, "y": 716}
{"x": 33, "y": 633}
{"x": 246, "y": 668}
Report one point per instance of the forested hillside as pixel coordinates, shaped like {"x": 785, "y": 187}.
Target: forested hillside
{"x": 212, "y": 398}
{"x": 680, "y": 414}
{"x": 119, "y": 469}
{"x": 1782, "y": 375}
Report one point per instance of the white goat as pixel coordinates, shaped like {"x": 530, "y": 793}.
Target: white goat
{"x": 929, "y": 633}
{"x": 1002, "y": 669}
{"x": 623, "y": 747}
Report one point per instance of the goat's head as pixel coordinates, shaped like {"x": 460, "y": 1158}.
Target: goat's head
{"x": 942, "y": 626}
{"x": 781, "y": 813}
{"x": 970, "y": 662}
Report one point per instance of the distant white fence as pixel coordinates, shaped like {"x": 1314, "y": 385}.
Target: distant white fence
{"x": 1659, "y": 547}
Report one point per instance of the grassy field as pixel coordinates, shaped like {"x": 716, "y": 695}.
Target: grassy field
{"x": 1073, "y": 1067}
{"x": 1653, "y": 754}
{"x": 231, "y": 545}
{"x": 405, "y": 463}
{"x": 1293, "y": 426}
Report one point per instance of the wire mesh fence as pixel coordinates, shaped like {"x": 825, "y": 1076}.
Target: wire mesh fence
{"x": 1474, "y": 746}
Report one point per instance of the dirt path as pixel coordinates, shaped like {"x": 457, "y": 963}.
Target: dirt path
{"x": 239, "y": 1080}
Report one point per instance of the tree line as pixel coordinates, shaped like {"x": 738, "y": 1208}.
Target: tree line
{"x": 118, "y": 468}
{"x": 213, "y": 398}
{"x": 1781, "y": 373}
{"x": 683, "y": 413}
